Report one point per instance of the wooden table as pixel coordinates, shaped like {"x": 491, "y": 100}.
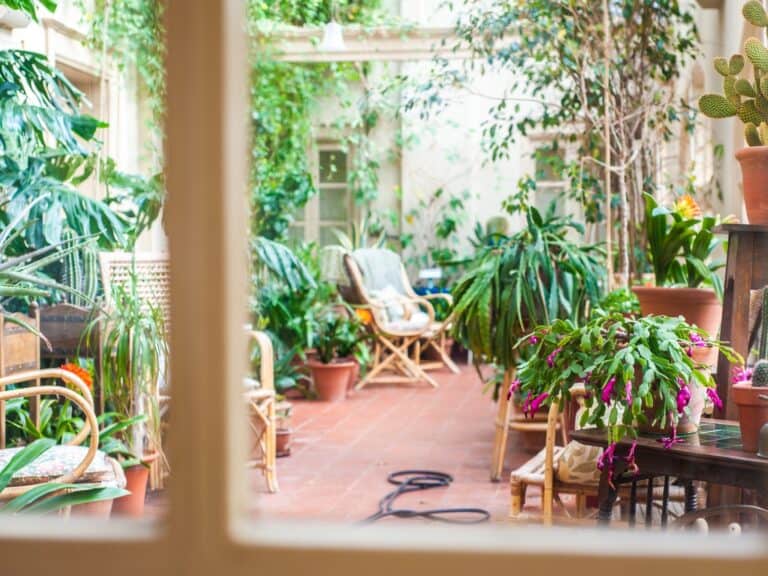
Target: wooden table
{"x": 713, "y": 455}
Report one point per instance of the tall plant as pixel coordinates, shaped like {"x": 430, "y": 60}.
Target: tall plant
{"x": 517, "y": 282}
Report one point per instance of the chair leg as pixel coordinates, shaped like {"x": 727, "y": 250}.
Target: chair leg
{"x": 270, "y": 455}
{"x": 500, "y": 439}
{"x": 517, "y": 498}
{"x": 444, "y": 357}
{"x": 581, "y": 505}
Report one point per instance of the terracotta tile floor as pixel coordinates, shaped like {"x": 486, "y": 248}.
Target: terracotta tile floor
{"x": 342, "y": 452}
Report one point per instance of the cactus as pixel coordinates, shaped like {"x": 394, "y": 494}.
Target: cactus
{"x": 760, "y": 374}
{"x": 763, "y": 350}
{"x": 744, "y": 98}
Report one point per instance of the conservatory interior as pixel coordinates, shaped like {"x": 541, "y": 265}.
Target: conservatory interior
{"x": 507, "y": 262}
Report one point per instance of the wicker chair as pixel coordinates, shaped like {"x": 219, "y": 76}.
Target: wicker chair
{"x": 153, "y": 285}
{"x": 63, "y": 463}
{"x": 403, "y": 323}
{"x": 262, "y": 420}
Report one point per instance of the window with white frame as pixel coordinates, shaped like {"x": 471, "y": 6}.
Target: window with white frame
{"x": 549, "y": 183}
{"x": 331, "y": 209}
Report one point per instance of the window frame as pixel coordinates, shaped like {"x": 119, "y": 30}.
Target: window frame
{"x": 207, "y": 530}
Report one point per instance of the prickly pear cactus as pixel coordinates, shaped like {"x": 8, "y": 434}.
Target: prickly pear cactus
{"x": 747, "y": 99}
{"x": 760, "y": 374}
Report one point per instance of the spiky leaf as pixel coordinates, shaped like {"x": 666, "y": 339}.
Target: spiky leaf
{"x": 751, "y": 135}
{"x": 716, "y": 106}
{"x": 754, "y": 13}
{"x": 757, "y": 53}
{"x": 748, "y": 113}
{"x": 722, "y": 67}
{"x": 736, "y": 64}
{"x": 744, "y": 88}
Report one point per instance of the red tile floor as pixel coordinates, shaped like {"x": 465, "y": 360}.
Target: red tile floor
{"x": 342, "y": 452}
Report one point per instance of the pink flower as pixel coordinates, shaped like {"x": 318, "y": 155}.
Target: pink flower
{"x": 607, "y": 457}
{"x": 628, "y": 391}
{"x": 552, "y": 356}
{"x": 689, "y": 351}
{"x": 608, "y": 390}
{"x": 670, "y": 441}
{"x": 531, "y": 406}
{"x": 741, "y": 374}
{"x": 712, "y": 393}
{"x": 533, "y": 340}
{"x": 514, "y": 387}
{"x": 697, "y": 340}
{"x": 630, "y": 458}
{"x": 683, "y": 396}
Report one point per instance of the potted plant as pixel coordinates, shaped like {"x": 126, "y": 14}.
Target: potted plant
{"x": 134, "y": 361}
{"x": 681, "y": 243}
{"x": 284, "y": 431}
{"x": 330, "y": 371}
{"x": 748, "y": 99}
{"x": 640, "y": 373}
{"x": 353, "y": 339}
{"x": 750, "y": 389}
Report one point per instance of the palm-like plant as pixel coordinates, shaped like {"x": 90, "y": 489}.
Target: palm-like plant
{"x": 518, "y": 282}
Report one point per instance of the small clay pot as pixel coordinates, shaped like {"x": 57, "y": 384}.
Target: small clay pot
{"x": 283, "y": 443}
{"x": 753, "y": 413}
{"x": 699, "y": 306}
{"x": 754, "y": 172}
{"x": 136, "y": 477}
{"x": 331, "y": 380}
{"x": 354, "y": 374}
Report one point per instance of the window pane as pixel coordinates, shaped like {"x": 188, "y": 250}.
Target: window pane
{"x": 334, "y": 204}
{"x": 333, "y": 166}
{"x": 549, "y": 164}
{"x": 327, "y": 236}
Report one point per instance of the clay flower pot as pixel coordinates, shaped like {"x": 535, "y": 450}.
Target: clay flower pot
{"x": 331, "y": 380}
{"x": 699, "y": 306}
{"x": 283, "y": 442}
{"x": 354, "y": 374}
{"x": 754, "y": 171}
{"x": 136, "y": 478}
{"x": 753, "y": 412}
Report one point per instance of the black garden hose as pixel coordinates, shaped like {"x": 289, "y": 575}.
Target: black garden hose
{"x": 415, "y": 480}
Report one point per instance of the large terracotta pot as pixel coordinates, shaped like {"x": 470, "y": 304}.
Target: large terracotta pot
{"x": 136, "y": 478}
{"x": 754, "y": 171}
{"x": 354, "y": 374}
{"x": 331, "y": 380}
{"x": 699, "y": 306}
{"x": 753, "y": 412}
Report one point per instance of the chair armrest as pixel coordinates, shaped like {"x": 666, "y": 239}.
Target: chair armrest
{"x": 267, "y": 364}
{"x": 439, "y": 296}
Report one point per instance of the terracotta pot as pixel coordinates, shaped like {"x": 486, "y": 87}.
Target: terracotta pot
{"x": 136, "y": 483}
{"x": 354, "y": 374}
{"x": 283, "y": 444}
{"x": 699, "y": 306}
{"x": 754, "y": 172}
{"x": 753, "y": 412}
{"x": 688, "y": 423}
{"x": 331, "y": 380}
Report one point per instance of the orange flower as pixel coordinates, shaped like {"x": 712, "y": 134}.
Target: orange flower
{"x": 687, "y": 207}
{"x": 364, "y": 315}
{"x": 80, "y": 372}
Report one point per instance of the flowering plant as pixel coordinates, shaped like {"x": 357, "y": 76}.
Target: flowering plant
{"x": 636, "y": 370}
{"x": 681, "y": 242}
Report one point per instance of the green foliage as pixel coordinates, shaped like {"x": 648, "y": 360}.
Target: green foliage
{"x": 681, "y": 244}
{"x": 628, "y": 364}
{"x": 277, "y": 260}
{"x": 515, "y": 283}
{"x": 337, "y": 334}
{"x": 621, "y": 301}
{"x": 744, "y": 98}
{"x": 30, "y": 7}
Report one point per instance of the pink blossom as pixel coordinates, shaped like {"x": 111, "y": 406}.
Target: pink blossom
{"x": 683, "y": 396}
{"x": 552, "y": 356}
{"x": 514, "y": 387}
{"x": 689, "y": 351}
{"x": 712, "y": 393}
{"x": 533, "y": 340}
{"x": 697, "y": 340}
{"x": 670, "y": 441}
{"x": 608, "y": 390}
{"x": 741, "y": 374}
{"x": 630, "y": 458}
{"x": 530, "y": 406}
{"x": 628, "y": 391}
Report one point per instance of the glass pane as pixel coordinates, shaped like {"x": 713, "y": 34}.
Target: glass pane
{"x": 334, "y": 204}
{"x": 296, "y": 232}
{"x": 327, "y": 236}
{"x": 333, "y": 166}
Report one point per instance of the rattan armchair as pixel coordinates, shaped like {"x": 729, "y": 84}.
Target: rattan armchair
{"x": 262, "y": 420}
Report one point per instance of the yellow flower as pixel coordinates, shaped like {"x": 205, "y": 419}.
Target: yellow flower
{"x": 687, "y": 207}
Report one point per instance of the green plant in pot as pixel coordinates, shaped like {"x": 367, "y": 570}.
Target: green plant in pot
{"x": 640, "y": 373}
{"x": 681, "y": 245}
{"x": 747, "y": 98}
{"x": 330, "y": 370}
{"x": 750, "y": 389}
{"x": 514, "y": 283}
{"x": 134, "y": 364}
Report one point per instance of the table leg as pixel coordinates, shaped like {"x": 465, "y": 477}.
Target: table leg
{"x": 665, "y": 503}
{"x": 691, "y": 497}
{"x": 607, "y": 492}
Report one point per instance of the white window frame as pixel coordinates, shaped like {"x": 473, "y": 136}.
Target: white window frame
{"x": 207, "y": 531}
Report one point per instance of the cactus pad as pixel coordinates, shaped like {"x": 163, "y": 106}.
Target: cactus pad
{"x": 763, "y": 131}
{"x": 754, "y": 13}
{"x": 757, "y": 53}
{"x": 736, "y": 64}
{"x": 751, "y": 135}
{"x": 722, "y": 67}
{"x": 716, "y": 106}
{"x": 760, "y": 374}
{"x": 744, "y": 88}
{"x": 748, "y": 113}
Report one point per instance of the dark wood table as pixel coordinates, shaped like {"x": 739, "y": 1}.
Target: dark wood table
{"x": 712, "y": 455}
